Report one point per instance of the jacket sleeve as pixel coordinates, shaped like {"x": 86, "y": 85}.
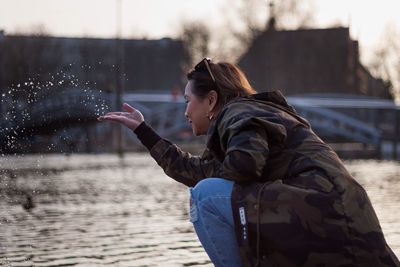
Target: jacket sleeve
{"x": 246, "y": 141}
{"x": 177, "y": 164}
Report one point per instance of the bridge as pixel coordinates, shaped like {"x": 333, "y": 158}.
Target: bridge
{"x": 352, "y": 119}
{"x": 355, "y": 119}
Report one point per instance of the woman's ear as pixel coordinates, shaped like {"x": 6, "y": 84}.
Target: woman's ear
{"x": 212, "y": 100}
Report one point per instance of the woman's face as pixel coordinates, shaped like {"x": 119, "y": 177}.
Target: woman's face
{"x": 197, "y": 111}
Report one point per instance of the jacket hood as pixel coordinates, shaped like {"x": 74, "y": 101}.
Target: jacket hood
{"x": 275, "y": 97}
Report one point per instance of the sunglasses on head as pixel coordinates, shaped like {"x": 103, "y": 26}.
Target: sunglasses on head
{"x": 206, "y": 62}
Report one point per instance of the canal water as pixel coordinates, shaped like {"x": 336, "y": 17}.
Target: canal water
{"x": 94, "y": 210}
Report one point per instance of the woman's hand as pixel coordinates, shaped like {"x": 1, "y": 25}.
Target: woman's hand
{"x": 131, "y": 118}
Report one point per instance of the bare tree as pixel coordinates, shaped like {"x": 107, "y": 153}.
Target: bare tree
{"x": 38, "y": 30}
{"x": 196, "y": 39}
{"x": 294, "y": 14}
{"x": 251, "y": 17}
{"x": 385, "y": 61}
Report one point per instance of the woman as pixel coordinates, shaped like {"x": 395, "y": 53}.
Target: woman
{"x": 266, "y": 191}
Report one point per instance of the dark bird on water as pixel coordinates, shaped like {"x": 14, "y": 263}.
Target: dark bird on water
{"x": 28, "y": 203}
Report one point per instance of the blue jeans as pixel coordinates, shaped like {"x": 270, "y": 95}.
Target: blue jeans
{"x": 211, "y": 215}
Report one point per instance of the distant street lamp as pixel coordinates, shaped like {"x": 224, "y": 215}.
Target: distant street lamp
{"x": 2, "y": 74}
{"x": 119, "y": 73}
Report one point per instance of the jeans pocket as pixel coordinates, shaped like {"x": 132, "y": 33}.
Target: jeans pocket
{"x": 193, "y": 208}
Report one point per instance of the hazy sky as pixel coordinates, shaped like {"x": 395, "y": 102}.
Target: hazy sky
{"x": 160, "y": 18}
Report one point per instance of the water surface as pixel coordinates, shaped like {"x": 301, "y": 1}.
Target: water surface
{"x": 92, "y": 210}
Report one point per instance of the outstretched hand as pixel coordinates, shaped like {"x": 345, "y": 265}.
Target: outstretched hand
{"x": 131, "y": 118}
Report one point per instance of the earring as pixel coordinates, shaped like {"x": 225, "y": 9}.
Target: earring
{"x": 210, "y": 117}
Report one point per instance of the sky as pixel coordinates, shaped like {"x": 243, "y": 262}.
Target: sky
{"x": 367, "y": 19}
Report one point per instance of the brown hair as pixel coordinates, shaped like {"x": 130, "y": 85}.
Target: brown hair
{"x": 230, "y": 81}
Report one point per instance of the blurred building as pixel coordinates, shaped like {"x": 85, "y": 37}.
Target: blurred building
{"x": 143, "y": 64}
{"x": 309, "y": 61}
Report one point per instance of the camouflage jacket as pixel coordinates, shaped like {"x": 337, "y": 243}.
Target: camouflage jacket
{"x": 294, "y": 203}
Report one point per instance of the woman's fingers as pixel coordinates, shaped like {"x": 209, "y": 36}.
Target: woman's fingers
{"x": 130, "y": 118}
{"x": 117, "y": 113}
{"x": 125, "y": 120}
{"x": 128, "y": 107}
{"x": 128, "y": 110}
{"x": 112, "y": 117}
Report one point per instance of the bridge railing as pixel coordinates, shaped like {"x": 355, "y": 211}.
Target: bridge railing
{"x": 166, "y": 113}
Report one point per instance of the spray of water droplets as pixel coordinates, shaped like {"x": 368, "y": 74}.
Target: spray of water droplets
{"x": 36, "y": 106}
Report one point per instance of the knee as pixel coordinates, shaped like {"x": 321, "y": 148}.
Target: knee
{"x": 211, "y": 187}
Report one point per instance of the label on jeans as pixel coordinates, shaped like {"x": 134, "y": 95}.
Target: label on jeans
{"x": 243, "y": 222}
{"x": 242, "y": 216}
